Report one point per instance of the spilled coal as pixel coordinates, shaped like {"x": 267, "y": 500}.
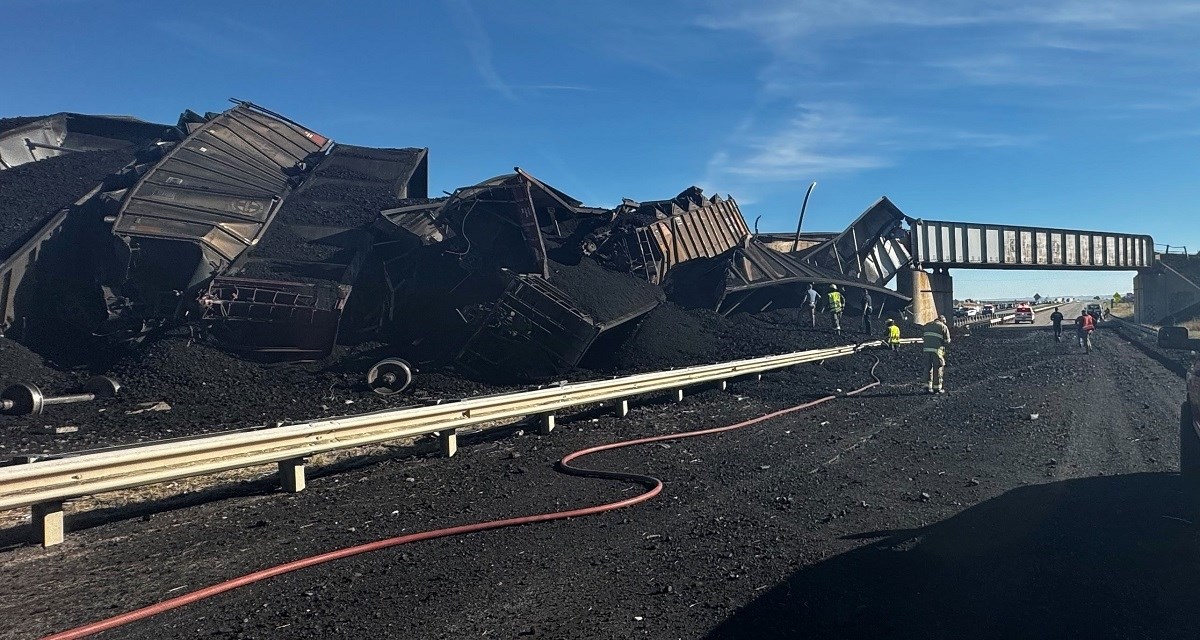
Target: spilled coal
{"x": 30, "y": 194}
{"x": 210, "y": 390}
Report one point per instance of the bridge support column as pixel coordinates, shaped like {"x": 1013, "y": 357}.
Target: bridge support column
{"x": 941, "y": 286}
{"x": 932, "y": 293}
{"x": 1162, "y": 295}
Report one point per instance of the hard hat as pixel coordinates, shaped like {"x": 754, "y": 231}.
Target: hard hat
{"x": 833, "y": 287}
{"x": 890, "y": 322}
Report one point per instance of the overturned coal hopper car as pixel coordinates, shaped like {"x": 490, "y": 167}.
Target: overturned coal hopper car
{"x": 193, "y": 230}
{"x": 492, "y": 279}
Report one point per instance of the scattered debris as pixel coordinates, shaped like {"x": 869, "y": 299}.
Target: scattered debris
{"x": 144, "y": 407}
{"x": 59, "y": 430}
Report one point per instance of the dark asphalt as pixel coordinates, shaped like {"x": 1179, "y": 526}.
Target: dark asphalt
{"x": 891, "y": 515}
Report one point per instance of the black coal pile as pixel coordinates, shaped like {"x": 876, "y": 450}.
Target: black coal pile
{"x": 23, "y": 365}
{"x": 671, "y": 336}
{"x": 176, "y": 386}
{"x": 322, "y": 230}
{"x": 605, "y": 295}
{"x": 30, "y": 194}
{"x": 13, "y": 123}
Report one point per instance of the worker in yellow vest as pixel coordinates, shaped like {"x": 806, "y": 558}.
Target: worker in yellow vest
{"x": 936, "y": 338}
{"x": 893, "y": 335}
{"x": 836, "y": 304}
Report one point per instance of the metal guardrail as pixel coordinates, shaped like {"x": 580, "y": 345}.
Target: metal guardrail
{"x": 44, "y": 485}
{"x": 1133, "y": 325}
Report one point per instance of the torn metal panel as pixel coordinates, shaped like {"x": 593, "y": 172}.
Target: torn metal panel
{"x": 274, "y": 319}
{"x": 874, "y": 247}
{"x": 753, "y": 277}
{"x": 703, "y": 232}
{"x": 419, "y": 221}
{"x": 543, "y": 195}
{"x": 753, "y": 265}
{"x": 788, "y": 243}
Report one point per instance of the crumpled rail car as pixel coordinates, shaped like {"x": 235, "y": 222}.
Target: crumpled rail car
{"x": 535, "y": 331}
{"x": 284, "y": 320}
{"x": 193, "y": 214}
{"x": 701, "y": 228}
{"x": 72, "y": 132}
{"x": 314, "y": 257}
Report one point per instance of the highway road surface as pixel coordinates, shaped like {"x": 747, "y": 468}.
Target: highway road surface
{"x": 1041, "y": 318}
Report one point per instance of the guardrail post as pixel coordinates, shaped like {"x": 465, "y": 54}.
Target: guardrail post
{"x": 679, "y": 395}
{"x": 291, "y": 475}
{"x": 449, "y": 442}
{"x": 546, "y": 423}
{"x": 622, "y": 408}
{"x": 48, "y": 523}
{"x": 723, "y": 385}
{"x": 758, "y": 376}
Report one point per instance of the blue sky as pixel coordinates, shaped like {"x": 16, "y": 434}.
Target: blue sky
{"x": 1077, "y": 114}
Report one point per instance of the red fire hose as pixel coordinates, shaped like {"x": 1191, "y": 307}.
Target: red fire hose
{"x": 653, "y": 485}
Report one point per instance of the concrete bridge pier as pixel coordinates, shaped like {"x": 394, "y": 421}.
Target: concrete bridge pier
{"x": 932, "y": 293}
{"x": 1164, "y": 295}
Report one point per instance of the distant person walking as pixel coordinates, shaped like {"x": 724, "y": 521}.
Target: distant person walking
{"x": 836, "y": 304}
{"x": 1057, "y": 319}
{"x": 810, "y": 301}
{"x": 936, "y": 338}
{"x": 868, "y": 310}
{"x": 893, "y": 335}
{"x": 1085, "y": 324}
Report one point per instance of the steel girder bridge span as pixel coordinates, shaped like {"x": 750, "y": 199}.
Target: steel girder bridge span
{"x": 938, "y": 246}
{"x": 884, "y": 243}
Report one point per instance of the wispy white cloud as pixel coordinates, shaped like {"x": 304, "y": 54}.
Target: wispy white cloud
{"x": 988, "y": 42}
{"x": 225, "y": 38}
{"x": 819, "y": 140}
{"x": 898, "y": 76}
{"x": 478, "y": 45}
{"x": 779, "y": 21}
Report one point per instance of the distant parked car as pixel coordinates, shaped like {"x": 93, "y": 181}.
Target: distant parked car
{"x": 1024, "y": 313}
{"x": 972, "y": 312}
{"x": 1095, "y": 311}
{"x": 988, "y": 309}
{"x": 960, "y": 312}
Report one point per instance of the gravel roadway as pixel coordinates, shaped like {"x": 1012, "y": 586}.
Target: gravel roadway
{"x": 894, "y": 514}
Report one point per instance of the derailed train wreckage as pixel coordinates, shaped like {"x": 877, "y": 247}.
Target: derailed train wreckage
{"x": 274, "y": 241}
